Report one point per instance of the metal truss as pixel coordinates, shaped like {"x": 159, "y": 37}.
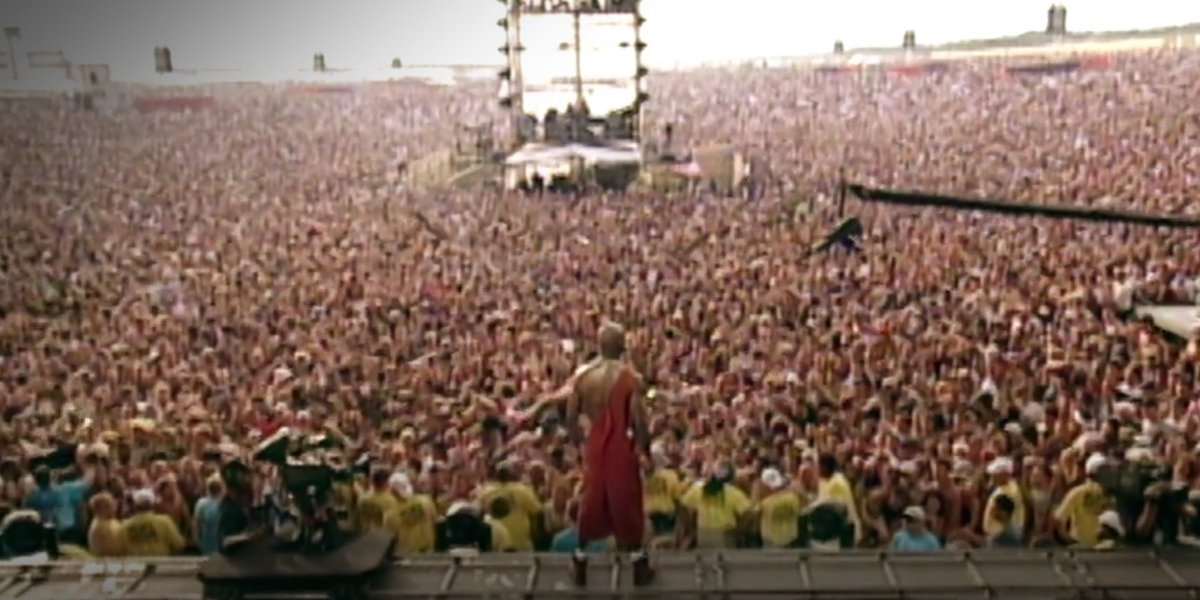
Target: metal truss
{"x": 1128, "y": 574}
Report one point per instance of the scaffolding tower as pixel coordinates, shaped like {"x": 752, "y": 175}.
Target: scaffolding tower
{"x": 576, "y": 18}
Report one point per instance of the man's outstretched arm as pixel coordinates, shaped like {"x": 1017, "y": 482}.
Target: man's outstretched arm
{"x": 641, "y": 420}
{"x": 573, "y": 401}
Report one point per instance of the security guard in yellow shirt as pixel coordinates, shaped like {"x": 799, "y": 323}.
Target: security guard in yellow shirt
{"x": 1001, "y": 470}
{"x": 148, "y": 533}
{"x": 523, "y": 506}
{"x": 834, "y": 487}
{"x": 779, "y": 511}
{"x": 1078, "y": 515}
{"x": 716, "y": 509}
{"x": 663, "y": 487}
{"x": 376, "y": 504}
{"x": 413, "y": 520}
{"x": 498, "y": 511}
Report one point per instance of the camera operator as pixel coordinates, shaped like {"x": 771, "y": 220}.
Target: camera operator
{"x": 235, "y": 524}
{"x": 1166, "y": 511}
{"x": 22, "y": 533}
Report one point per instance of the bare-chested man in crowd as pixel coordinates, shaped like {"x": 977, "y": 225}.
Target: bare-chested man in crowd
{"x": 608, "y": 392}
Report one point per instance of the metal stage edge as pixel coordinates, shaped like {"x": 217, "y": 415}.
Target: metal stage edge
{"x": 1132, "y": 574}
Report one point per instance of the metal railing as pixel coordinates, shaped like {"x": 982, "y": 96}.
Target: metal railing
{"x": 734, "y": 574}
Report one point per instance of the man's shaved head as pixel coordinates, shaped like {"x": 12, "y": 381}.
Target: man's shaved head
{"x": 612, "y": 340}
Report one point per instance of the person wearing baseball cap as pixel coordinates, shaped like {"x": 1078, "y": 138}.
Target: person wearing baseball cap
{"x": 148, "y": 533}
{"x": 1001, "y": 471}
{"x": 413, "y": 519}
{"x": 1077, "y": 517}
{"x": 779, "y": 511}
{"x": 915, "y": 535}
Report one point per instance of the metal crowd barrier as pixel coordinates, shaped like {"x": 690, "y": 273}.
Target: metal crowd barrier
{"x": 1126, "y": 574}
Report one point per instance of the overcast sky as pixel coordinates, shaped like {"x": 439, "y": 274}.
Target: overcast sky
{"x": 366, "y": 34}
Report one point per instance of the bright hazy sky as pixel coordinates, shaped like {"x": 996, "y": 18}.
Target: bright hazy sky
{"x": 365, "y": 34}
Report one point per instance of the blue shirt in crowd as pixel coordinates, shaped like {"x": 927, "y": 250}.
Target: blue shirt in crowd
{"x": 59, "y": 504}
{"x": 208, "y": 521}
{"x": 568, "y": 541}
{"x": 904, "y": 541}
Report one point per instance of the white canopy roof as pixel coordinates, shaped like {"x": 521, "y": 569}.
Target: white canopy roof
{"x": 1181, "y": 320}
{"x": 612, "y": 154}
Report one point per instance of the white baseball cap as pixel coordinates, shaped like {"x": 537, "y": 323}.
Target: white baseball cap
{"x": 1094, "y": 463}
{"x": 462, "y": 506}
{"x": 144, "y": 498}
{"x": 772, "y": 478}
{"x": 401, "y": 484}
{"x": 1001, "y": 465}
{"x": 915, "y": 513}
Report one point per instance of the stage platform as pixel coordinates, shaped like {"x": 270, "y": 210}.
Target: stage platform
{"x": 1002, "y": 575}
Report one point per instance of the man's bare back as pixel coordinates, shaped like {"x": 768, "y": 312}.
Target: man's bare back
{"x": 593, "y": 392}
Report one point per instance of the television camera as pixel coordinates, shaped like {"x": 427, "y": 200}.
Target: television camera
{"x": 1134, "y": 485}
{"x": 309, "y": 499}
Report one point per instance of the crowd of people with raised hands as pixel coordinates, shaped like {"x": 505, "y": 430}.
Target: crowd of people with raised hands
{"x": 180, "y": 286}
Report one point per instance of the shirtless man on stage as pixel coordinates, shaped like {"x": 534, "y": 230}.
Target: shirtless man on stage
{"x": 608, "y": 391}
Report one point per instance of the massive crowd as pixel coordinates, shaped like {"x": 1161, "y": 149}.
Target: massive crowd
{"x": 179, "y": 286}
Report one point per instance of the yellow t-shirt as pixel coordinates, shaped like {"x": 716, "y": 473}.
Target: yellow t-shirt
{"x": 150, "y": 534}
{"x": 106, "y": 538}
{"x": 1081, "y": 510}
{"x": 524, "y": 506}
{"x": 414, "y": 523}
{"x": 373, "y": 508}
{"x": 345, "y": 495}
{"x": 1011, "y": 489}
{"x": 662, "y": 492}
{"x": 779, "y": 518}
{"x": 501, "y": 540}
{"x": 719, "y": 512}
{"x": 836, "y": 488}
